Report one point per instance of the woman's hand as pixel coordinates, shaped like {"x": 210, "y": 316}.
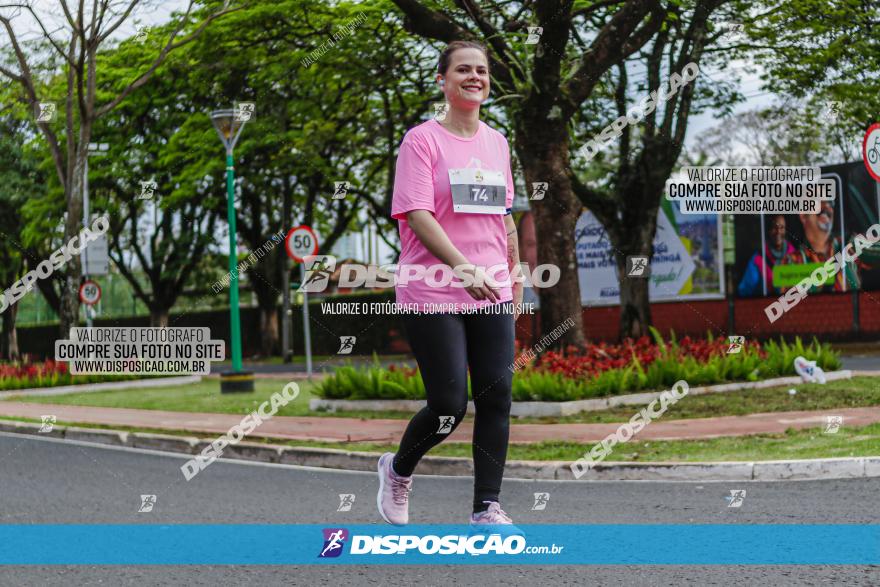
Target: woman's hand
{"x": 477, "y": 277}
{"x": 513, "y": 264}
{"x": 517, "y": 299}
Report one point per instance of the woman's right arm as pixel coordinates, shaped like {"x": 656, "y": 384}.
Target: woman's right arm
{"x": 431, "y": 234}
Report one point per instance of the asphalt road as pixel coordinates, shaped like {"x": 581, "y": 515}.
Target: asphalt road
{"x": 863, "y": 362}
{"x": 44, "y": 481}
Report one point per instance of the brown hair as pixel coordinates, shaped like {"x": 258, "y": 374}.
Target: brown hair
{"x": 443, "y": 62}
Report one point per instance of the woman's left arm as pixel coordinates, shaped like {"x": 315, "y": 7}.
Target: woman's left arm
{"x": 513, "y": 262}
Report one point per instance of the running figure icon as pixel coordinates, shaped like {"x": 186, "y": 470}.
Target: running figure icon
{"x": 446, "y": 424}
{"x": 334, "y": 543}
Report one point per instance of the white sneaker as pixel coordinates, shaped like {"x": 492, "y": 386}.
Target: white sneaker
{"x": 393, "y": 497}
{"x": 495, "y": 521}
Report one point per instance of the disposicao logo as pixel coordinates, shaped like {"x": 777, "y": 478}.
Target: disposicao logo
{"x": 334, "y": 540}
{"x": 475, "y": 545}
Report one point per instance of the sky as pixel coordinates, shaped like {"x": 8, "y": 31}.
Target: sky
{"x": 749, "y": 85}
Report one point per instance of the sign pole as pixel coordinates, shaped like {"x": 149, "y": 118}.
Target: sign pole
{"x": 302, "y": 242}
{"x": 306, "y": 326}
{"x": 92, "y": 149}
{"x": 85, "y": 254}
{"x": 285, "y": 313}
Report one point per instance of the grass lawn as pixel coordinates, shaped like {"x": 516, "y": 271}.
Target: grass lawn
{"x": 206, "y": 397}
{"x": 847, "y": 393}
{"x": 793, "y": 444}
{"x": 196, "y": 397}
{"x": 801, "y": 444}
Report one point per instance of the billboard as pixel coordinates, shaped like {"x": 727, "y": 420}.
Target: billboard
{"x": 687, "y": 261}
{"x": 775, "y": 252}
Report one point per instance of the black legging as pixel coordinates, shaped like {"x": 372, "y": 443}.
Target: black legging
{"x": 445, "y": 345}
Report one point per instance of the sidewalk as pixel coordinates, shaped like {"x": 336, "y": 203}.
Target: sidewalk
{"x": 360, "y": 430}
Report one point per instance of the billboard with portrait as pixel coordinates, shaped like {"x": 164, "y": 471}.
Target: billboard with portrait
{"x": 775, "y": 252}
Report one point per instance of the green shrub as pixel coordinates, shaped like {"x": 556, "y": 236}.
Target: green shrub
{"x": 774, "y": 359}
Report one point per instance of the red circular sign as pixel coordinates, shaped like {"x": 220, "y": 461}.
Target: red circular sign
{"x": 871, "y": 156}
{"x": 301, "y": 242}
{"x": 89, "y": 292}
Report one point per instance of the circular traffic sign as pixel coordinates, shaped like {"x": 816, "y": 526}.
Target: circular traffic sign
{"x": 871, "y": 150}
{"x": 89, "y": 292}
{"x": 301, "y": 242}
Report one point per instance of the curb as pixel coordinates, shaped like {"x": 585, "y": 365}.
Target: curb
{"x": 110, "y": 385}
{"x": 812, "y": 469}
{"x": 538, "y": 409}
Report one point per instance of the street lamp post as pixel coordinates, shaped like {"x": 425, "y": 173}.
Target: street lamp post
{"x": 229, "y": 124}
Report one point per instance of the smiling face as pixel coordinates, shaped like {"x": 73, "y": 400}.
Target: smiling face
{"x": 825, "y": 218}
{"x": 776, "y": 231}
{"x": 466, "y": 78}
{"x": 821, "y": 222}
{"x": 817, "y": 228}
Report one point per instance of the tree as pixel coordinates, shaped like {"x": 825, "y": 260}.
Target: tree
{"x": 335, "y": 120}
{"x": 825, "y": 48}
{"x": 825, "y": 54}
{"x": 627, "y": 202}
{"x": 19, "y": 177}
{"x": 88, "y": 27}
{"x": 24, "y": 198}
{"x": 156, "y": 242}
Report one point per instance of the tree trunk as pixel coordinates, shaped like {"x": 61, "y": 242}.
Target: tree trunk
{"x": 267, "y": 281}
{"x": 159, "y": 317}
{"x": 269, "y": 330}
{"x": 635, "y": 306}
{"x": 69, "y": 311}
{"x": 545, "y": 159}
{"x": 634, "y": 236}
{"x": 9, "y": 343}
{"x": 267, "y": 300}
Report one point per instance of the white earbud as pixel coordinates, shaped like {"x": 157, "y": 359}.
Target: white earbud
{"x": 442, "y": 83}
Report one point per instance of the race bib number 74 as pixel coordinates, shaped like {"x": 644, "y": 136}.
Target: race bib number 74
{"x": 478, "y": 191}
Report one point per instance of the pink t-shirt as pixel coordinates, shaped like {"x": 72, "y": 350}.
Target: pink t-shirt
{"x": 422, "y": 182}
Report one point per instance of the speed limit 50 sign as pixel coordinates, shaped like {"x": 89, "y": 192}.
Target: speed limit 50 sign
{"x": 89, "y": 292}
{"x": 301, "y": 242}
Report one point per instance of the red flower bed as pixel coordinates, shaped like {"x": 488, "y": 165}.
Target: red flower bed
{"x": 28, "y": 371}
{"x": 596, "y": 358}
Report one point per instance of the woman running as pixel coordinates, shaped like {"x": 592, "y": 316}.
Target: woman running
{"x": 453, "y": 191}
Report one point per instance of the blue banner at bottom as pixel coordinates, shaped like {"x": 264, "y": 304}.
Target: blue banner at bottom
{"x": 265, "y": 544}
